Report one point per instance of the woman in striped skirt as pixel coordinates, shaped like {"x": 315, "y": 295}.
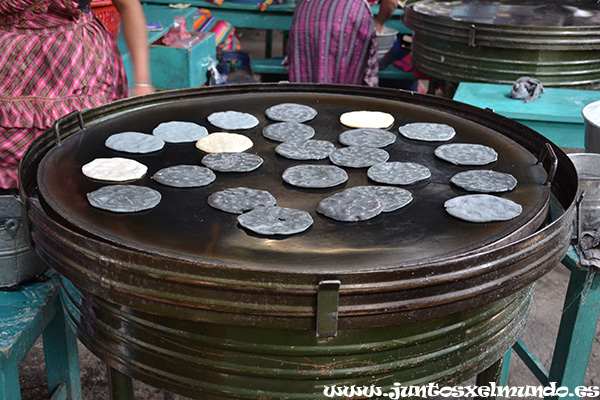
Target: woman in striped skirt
{"x": 57, "y": 57}
{"x": 334, "y": 41}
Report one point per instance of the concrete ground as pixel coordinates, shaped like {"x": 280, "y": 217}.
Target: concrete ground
{"x": 539, "y": 334}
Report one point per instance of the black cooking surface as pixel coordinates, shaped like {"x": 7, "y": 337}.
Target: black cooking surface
{"x": 183, "y": 224}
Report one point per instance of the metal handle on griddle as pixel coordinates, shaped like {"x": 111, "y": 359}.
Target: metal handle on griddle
{"x": 548, "y": 152}
{"x": 472, "y": 33}
{"x": 328, "y": 298}
{"x": 59, "y": 121}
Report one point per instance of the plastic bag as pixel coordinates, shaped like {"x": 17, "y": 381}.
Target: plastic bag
{"x": 178, "y": 33}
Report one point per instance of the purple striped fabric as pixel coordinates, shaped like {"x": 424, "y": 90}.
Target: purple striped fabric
{"x": 53, "y": 60}
{"x": 333, "y": 41}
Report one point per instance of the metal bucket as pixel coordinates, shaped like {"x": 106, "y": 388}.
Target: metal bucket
{"x": 385, "y": 42}
{"x": 18, "y": 261}
{"x": 591, "y": 117}
{"x": 588, "y": 169}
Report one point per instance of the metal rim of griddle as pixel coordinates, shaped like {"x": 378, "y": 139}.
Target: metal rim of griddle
{"x": 221, "y": 294}
{"x": 471, "y": 50}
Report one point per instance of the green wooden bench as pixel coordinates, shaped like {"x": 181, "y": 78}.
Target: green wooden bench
{"x": 25, "y": 314}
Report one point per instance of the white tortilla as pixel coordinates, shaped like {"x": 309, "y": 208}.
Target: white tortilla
{"x": 367, "y": 119}
{"x": 114, "y": 169}
{"x": 224, "y": 142}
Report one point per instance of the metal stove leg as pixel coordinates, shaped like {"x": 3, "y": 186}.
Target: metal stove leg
{"x": 492, "y": 374}
{"x": 120, "y": 385}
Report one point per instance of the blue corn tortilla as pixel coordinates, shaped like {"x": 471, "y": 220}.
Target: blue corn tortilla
{"x": 241, "y": 199}
{"x": 124, "y": 198}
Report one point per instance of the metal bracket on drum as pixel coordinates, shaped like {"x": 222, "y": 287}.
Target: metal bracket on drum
{"x": 328, "y": 298}
{"x": 548, "y": 152}
{"x": 57, "y": 124}
{"x": 472, "y": 33}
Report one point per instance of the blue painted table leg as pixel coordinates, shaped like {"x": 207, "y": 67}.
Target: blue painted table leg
{"x": 577, "y": 328}
{"x": 10, "y": 388}
{"x": 505, "y": 368}
{"x": 62, "y": 359}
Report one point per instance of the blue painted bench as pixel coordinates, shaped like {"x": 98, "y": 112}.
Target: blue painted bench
{"x": 556, "y": 114}
{"x": 272, "y": 66}
{"x": 576, "y": 332}
{"x": 25, "y": 314}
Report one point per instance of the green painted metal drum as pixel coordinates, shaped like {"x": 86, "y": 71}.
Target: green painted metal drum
{"x": 212, "y": 361}
{"x": 184, "y": 298}
{"x": 500, "y": 41}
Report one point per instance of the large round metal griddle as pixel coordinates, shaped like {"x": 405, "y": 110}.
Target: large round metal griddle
{"x": 183, "y": 224}
{"x": 500, "y": 41}
{"x": 183, "y": 298}
{"x": 188, "y": 261}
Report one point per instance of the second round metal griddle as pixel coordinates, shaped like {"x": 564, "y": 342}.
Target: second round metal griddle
{"x": 185, "y": 226}
{"x": 499, "y": 41}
